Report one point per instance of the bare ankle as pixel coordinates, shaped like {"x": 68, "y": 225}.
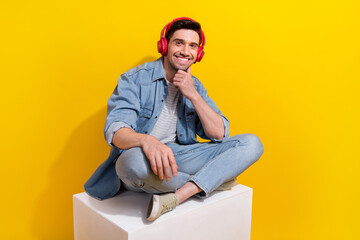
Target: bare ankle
{"x": 186, "y": 191}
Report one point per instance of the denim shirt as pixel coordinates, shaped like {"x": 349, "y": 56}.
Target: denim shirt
{"x": 136, "y": 103}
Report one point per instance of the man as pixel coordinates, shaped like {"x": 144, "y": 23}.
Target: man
{"x": 153, "y": 117}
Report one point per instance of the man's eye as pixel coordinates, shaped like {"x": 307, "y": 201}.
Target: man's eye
{"x": 178, "y": 43}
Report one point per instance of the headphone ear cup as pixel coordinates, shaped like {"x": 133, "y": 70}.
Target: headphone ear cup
{"x": 159, "y": 46}
{"x": 162, "y": 46}
{"x": 200, "y": 54}
{"x": 165, "y": 47}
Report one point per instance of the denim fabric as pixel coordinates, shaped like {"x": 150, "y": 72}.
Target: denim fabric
{"x": 137, "y": 102}
{"x": 207, "y": 164}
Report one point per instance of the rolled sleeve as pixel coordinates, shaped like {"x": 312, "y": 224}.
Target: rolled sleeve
{"x": 226, "y": 127}
{"x": 226, "y": 130}
{"x": 109, "y": 134}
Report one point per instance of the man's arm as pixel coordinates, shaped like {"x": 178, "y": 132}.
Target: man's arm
{"x": 160, "y": 156}
{"x": 123, "y": 108}
{"x": 211, "y": 121}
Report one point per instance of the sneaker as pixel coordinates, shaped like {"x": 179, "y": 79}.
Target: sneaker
{"x": 160, "y": 204}
{"x": 227, "y": 185}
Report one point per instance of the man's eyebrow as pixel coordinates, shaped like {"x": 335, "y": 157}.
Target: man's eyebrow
{"x": 182, "y": 40}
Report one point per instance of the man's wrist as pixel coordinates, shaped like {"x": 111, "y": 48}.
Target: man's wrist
{"x": 145, "y": 139}
{"x": 195, "y": 98}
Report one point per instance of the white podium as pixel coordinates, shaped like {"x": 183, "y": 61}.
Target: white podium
{"x": 224, "y": 215}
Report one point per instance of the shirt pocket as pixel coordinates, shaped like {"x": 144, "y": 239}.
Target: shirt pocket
{"x": 190, "y": 116}
{"x": 190, "y": 113}
{"x": 147, "y": 100}
{"x": 191, "y": 119}
{"x": 145, "y": 112}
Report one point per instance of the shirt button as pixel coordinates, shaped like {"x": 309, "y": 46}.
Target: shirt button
{"x": 180, "y": 135}
{"x": 179, "y": 118}
{"x": 145, "y": 132}
{"x": 162, "y": 100}
{"x": 155, "y": 116}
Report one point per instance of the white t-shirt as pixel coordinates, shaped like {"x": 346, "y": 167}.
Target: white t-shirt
{"x": 165, "y": 127}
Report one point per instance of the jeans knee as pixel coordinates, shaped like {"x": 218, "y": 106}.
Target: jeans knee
{"x": 132, "y": 164}
{"x": 253, "y": 143}
{"x": 256, "y": 143}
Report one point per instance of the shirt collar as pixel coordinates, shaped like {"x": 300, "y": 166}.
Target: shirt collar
{"x": 158, "y": 70}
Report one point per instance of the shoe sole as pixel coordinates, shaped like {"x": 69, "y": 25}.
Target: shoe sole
{"x": 153, "y": 208}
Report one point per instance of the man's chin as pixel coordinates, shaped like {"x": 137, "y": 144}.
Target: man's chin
{"x": 182, "y": 67}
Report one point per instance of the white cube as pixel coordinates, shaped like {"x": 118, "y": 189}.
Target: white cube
{"x": 223, "y": 215}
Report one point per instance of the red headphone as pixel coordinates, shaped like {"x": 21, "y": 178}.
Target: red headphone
{"x": 162, "y": 43}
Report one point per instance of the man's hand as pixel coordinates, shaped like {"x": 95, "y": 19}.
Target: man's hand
{"x": 161, "y": 158}
{"x": 211, "y": 121}
{"x": 183, "y": 80}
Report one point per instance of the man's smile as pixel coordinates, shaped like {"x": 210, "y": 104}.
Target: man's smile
{"x": 182, "y": 59}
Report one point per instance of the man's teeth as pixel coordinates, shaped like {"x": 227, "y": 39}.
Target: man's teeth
{"x": 183, "y": 59}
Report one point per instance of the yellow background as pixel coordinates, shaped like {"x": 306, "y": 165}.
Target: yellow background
{"x": 287, "y": 71}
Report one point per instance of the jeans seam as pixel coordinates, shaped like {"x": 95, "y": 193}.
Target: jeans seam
{"x": 183, "y": 152}
{"x": 195, "y": 150}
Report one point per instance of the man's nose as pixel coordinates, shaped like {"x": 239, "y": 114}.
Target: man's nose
{"x": 185, "y": 50}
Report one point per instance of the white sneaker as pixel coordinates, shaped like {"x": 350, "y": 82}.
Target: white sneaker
{"x": 160, "y": 204}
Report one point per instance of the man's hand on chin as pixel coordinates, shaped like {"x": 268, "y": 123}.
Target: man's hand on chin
{"x": 184, "y": 81}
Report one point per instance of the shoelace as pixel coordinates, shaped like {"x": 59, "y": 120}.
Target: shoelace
{"x": 169, "y": 205}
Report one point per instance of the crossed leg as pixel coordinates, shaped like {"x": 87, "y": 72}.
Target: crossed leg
{"x": 202, "y": 167}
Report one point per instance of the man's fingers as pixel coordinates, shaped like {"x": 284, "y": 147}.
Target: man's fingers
{"x": 177, "y": 78}
{"x": 173, "y": 165}
{"x": 181, "y": 73}
{"x": 153, "y": 164}
{"x": 161, "y": 160}
{"x": 159, "y": 167}
{"x": 166, "y": 168}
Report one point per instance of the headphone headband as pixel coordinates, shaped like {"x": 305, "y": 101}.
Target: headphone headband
{"x": 167, "y": 27}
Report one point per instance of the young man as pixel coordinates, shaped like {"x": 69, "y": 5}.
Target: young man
{"x": 153, "y": 117}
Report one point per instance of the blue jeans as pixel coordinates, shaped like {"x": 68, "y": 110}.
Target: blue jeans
{"x": 208, "y": 165}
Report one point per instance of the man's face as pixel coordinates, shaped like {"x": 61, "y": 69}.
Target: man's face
{"x": 182, "y": 49}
